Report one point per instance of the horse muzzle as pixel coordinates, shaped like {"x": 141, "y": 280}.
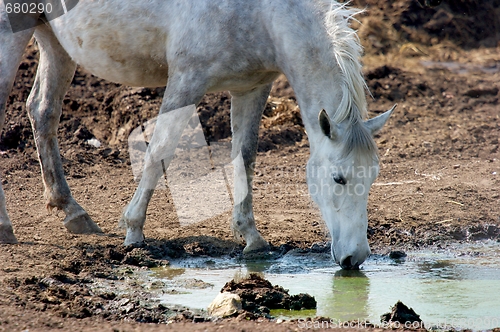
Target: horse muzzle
{"x": 351, "y": 259}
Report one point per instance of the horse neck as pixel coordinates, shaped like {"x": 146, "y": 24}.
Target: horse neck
{"x": 321, "y": 61}
{"x": 319, "y": 90}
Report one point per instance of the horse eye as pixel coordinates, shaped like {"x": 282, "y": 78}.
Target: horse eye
{"x": 339, "y": 179}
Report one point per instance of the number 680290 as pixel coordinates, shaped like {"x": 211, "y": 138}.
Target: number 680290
{"x": 28, "y": 8}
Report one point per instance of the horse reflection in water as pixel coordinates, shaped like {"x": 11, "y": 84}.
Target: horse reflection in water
{"x": 199, "y": 46}
{"x": 351, "y": 291}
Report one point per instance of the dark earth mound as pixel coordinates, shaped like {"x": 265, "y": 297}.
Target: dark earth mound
{"x": 402, "y": 314}
{"x": 258, "y": 296}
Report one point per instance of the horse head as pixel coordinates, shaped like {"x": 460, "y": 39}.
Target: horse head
{"x": 340, "y": 172}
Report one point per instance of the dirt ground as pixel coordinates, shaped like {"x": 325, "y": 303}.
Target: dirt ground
{"x": 439, "y": 180}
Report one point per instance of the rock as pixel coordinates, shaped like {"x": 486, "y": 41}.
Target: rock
{"x": 400, "y": 313}
{"x": 224, "y": 305}
{"x": 397, "y": 254}
{"x": 94, "y": 142}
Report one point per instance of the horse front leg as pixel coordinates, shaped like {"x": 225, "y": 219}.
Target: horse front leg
{"x": 246, "y": 113}
{"x": 53, "y": 78}
{"x": 11, "y": 51}
{"x": 174, "y": 115}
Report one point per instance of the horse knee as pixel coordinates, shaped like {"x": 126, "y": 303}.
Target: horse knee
{"x": 44, "y": 116}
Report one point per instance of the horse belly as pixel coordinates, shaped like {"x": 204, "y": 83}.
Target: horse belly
{"x": 116, "y": 40}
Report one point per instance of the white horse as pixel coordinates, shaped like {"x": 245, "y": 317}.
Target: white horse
{"x": 200, "y": 46}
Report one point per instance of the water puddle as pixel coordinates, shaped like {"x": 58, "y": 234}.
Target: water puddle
{"x": 458, "y": 286}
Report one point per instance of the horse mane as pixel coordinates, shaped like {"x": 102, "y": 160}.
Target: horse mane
{"x": 347, "y": 50}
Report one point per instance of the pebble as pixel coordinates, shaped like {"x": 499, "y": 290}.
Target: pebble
{"x": 397, "y": 254}
{"x": 94, "y": 142}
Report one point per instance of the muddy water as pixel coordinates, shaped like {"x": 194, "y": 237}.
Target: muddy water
{"x": 458, "y": 286}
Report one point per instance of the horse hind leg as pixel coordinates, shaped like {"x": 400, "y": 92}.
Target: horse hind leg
{"x": 11, "y": 51}
{"x": 246, "y": 113}
{"x": 53, "y": 78}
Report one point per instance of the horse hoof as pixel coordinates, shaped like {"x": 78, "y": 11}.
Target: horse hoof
{"x": 263, "y": 253}
{"x": 134, "y": 236}
{"x": 256, "y": 247}
{"x": 7, "y": 235}
{"x": 81, "y": 224}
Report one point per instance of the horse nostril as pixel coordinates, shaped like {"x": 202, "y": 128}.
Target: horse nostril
{"x": 347, "y": 264}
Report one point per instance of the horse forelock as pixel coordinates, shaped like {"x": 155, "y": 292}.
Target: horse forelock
{"x": 347, "y": 50}
{"x": 358, "y": 140}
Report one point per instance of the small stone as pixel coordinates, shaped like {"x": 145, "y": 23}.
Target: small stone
{"x": 94, "y": 142}
{"x": 397, "y": 254}
{"x": 224, "y": 305}
{"x": 456, "y": 166}
{"x": 188, "y": 314}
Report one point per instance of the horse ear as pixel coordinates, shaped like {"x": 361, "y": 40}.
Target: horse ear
{"x": 324, "y": 123}
{"x": 375, "y": 124}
